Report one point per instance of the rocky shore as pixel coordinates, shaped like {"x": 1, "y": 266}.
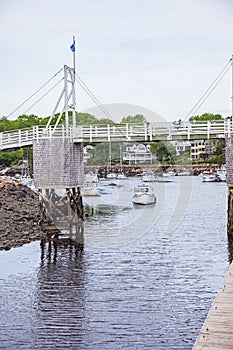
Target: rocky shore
{"x": 19, "y": 214}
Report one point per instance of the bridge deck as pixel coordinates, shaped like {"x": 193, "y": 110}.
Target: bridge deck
{"x": 156, "y": 131}
{"x": 216, "y": 332}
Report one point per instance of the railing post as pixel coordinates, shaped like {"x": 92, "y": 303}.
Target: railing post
{"x": 189, "y": 130}
{"x": 127, "y": 131}
{"x": 208, "y": 129}
{"x": 19, "y": 133}
{"x": 150, "y": 132}
{"x": 35, "y": 133}
{"x": 91, "y": 136}
{"x": 63, "y": 132}
{"x": 109, "y": 132}
{"x": 145, "y": 131}
{"x": 71, "y": 133}
{"x": 228, "y": 128}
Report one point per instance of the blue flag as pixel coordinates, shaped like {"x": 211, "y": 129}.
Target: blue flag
{"x": 72, "y": 47}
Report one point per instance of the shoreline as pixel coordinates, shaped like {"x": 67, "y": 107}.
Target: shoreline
{"x": 19, "y": 215}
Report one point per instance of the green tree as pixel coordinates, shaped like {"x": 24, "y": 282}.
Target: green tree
{"x": 206, "y": 117}
{"x": 164, "y": 153}
{"x": 8, "y": 158}
{"x": 86, "y": 119}
{"x": 138, "y": 118}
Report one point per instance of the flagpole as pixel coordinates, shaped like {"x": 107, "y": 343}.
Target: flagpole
{"x": 74, "y": 98}
{"x": 74, "y": 56}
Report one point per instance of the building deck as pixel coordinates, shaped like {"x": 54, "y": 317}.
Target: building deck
{"x": 217, "y": 330}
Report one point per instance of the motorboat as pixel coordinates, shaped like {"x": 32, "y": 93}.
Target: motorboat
{"x": 91, "y": 186}
{"x": 143, "y": 194}
{"x": 121, "y": 176}
{"x": 148, "y": 176}
{"x": 221, "y": 175}
{"x": 165, "y": 177}
{"x": 208, "y": 176}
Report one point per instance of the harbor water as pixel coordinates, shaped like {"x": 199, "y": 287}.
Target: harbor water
{"x": 145, "y": 280}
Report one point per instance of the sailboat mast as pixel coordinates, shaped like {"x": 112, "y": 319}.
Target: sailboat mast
{"x": 121, "y": 159}
{"x": 110, "y": 157}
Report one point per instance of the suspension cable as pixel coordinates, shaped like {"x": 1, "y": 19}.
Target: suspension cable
{"x": 209, "y": 90}
{"x": 45, "y": 94}
{"x": 35, "y": 93}
{"x": 95, "y": 99}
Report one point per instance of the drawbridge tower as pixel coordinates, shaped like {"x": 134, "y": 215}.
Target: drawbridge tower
{"x": 59, "y": 168}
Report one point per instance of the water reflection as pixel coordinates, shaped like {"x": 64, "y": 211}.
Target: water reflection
{"x": 60, "y": 297}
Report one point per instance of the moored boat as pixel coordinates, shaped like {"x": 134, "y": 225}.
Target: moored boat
{"x": 208, "y": 176}
{"x": 91, "y": 186}
{"x": 121, "y": 176}
{"x": 221, "y": 175}
{"x": 111, "y": 175}
{"x": 183, "y": 172}
{"x": 143, "y": 194}
{"x": 148, "y": 176}
{"x": 165, "y": 177}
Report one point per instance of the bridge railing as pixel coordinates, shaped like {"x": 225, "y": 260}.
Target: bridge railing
{"x": 218, "y": 128}
{"x": 16, "y": 138}
{"x": 115, "y": 132}
{"x": 119, "y": 132}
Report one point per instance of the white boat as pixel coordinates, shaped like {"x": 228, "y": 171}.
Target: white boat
{"x": 183, "y": 172}
{"x": 143, "y": 194}
{"x": 171, "y": 173}
{"x": 148, "y": 176}
{"x": 208, "y": 176}
{"x": 91, "y": 186}
{"x": 165, "y": 177}
{"x": 121, "y": 176}
{"x": 111, "y": 176}
{"x": 221, "y": 175}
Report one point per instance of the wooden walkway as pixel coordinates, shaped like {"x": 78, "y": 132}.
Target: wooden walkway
{"x": 217, "y": 330}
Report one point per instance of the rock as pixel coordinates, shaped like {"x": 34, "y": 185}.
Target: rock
{"x": 19, "y": 215}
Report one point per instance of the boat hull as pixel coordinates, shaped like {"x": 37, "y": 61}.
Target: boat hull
{"x": 90, "y": 192}
{"x": 143, "y": 194}
{"x": 144, "y": 200}
{"x": 208, "y": 178}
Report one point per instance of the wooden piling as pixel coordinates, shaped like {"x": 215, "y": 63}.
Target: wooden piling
{"x": 230, "y": 212}
{"x": 62, "y": 216}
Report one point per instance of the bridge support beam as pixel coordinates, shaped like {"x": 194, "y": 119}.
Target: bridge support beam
{"x": 59, "y": 174}
{"x": 229, "y": 171}
{"x": 61, "y": 215}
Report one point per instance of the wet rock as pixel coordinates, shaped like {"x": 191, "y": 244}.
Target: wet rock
{"x": 19, "y": 215}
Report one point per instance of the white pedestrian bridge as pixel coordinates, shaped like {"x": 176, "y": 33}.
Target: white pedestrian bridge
{"x": 155, "y": 131}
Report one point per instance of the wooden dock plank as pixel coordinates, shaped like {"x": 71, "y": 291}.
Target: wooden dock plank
{"x": 217, "y": 330}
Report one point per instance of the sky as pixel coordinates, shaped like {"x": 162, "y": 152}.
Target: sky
{"x": 158, "y": 55}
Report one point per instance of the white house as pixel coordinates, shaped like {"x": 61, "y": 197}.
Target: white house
{"x": 181, "y": 146}
{"x": 137, "y": 153}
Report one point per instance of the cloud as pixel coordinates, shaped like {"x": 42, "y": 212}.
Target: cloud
{"x": 159, "y": 54}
